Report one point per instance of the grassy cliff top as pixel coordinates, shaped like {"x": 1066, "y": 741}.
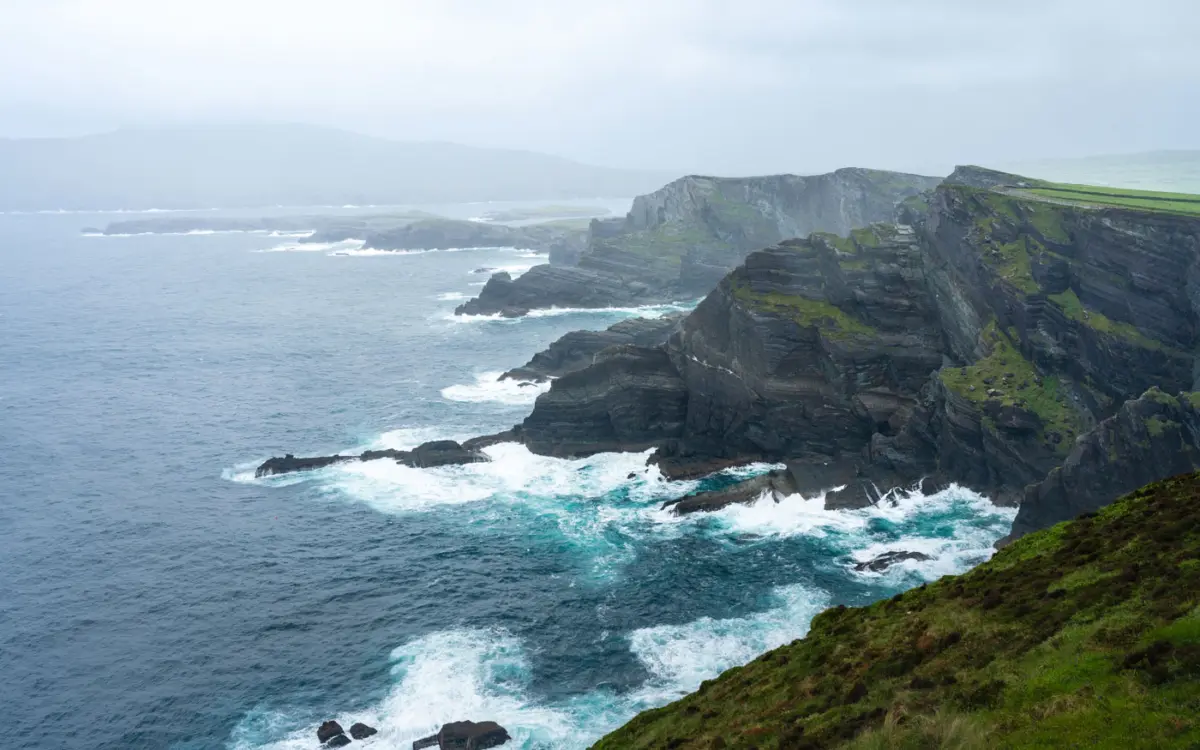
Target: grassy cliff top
{"x": 1085, "y": 635}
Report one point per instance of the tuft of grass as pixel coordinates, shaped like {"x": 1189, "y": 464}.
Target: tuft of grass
{"x": 1074, "y": 309}
{"x": 830, "y": 320}
{"x": 1083, "y": 635}
{"x": 1004, "y": 376}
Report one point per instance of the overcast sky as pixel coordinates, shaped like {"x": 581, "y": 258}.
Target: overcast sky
{"x": 742, "y": 86}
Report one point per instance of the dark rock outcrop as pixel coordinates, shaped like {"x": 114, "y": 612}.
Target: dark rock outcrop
{"x": 1154, "y": 436}
{"x": 466, "y": 735}
{"x": 882, "y": 562}
{"x": 776, "y": 484}
{"x": 425, "y": 456}
{"x": 338, "y": 740}
{"x": 975, "y": 346}
{"x": 360, "y": 731}
{"x": 629, "y": 399}
{"x": 548, "y": 286}
{"x": 679, "y": 241}
{"x": 768, "y": 367}
{"x": 328, "y": 730}
{"x": 577, "y": 349}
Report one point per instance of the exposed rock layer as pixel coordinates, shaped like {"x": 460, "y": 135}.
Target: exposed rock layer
{"x": 577, "y": 349}
{"x": 976, "y": 346}
{"x": 679, "y": 241}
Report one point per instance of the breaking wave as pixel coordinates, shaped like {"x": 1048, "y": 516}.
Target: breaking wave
{"x": 333, "y": 248}
{"x": 489, "y": 387}
{"x": 450, "y": 674}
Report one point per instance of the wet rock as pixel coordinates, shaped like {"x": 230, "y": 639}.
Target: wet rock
{"x": 425, "y": 456}
{"x": 360, "y": 731}
{"x": 338, "y": 740}
{"x": 484, "y": 269}
{"x": 882, "y": 562}
{"x": 465, "y": 735}
{"x": 776, "y": 484}
{"x": 328, "y": 730}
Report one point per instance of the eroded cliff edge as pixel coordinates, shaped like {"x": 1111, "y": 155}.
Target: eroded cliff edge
{"x": 975, "y": 345}
{"x": 679, "y": 241}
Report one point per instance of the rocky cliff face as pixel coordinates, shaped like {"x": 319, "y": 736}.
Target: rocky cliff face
{"x": 683, "y": 239}
{"x": 976, "y": 346}
{"x": 1155, "y": 436}
{"x": 578, "y": 349}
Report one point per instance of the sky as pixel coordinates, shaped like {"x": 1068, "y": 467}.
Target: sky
{"x": 729, "y": 87}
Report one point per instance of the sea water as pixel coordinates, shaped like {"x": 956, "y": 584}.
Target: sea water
{"x": 154, "y": 594}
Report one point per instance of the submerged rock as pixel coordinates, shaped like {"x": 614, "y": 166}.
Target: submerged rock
{"x": 360, "y": 731}
{"x": 777, "y": 484}
{"x": 882, "y": 562}
{"x": 425, "y": 456}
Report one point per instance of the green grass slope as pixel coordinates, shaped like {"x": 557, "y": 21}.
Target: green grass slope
{"x": 1085, "y": 635}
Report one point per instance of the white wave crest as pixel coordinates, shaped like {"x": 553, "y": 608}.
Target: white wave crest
{"x": 333, "y": 248}
{"x": 488, "y": 387}
{"x": 447, "y": 675}
{"x": 453, "y": 296}
{"x": 682, "y": 656}
{"x": 642, "y": 311}
{"x": 955, "y": 528}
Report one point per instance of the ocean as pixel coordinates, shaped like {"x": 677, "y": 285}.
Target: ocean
{"x": 154, "y": 594}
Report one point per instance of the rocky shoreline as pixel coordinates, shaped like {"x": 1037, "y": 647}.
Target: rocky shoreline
{"x": 1009, "y": 344}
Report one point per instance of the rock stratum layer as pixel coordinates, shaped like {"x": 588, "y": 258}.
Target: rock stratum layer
{"x": 679, "y": 241}
{"x": 1084, "y": 635}
{"x": 976, "y": 345}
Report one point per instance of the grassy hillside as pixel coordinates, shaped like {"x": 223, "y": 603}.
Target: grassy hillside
{"x": 1085, "y": 635}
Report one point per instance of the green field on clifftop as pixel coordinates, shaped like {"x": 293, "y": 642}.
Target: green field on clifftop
{"x": 1085, "y": 635}
{"x": 1183, "y": 203}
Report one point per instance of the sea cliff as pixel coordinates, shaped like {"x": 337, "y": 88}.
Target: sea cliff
{"x": 679, "y": 241}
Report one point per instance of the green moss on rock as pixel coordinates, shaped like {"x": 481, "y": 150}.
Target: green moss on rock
{"x": 1074, "y": 309}
{"x": 830, "y": 320}
{"x": 1006, "y": 377}
{"x": 1083, "y": 635}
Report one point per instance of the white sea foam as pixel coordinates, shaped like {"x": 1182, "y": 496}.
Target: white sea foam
{"x": 954, "y": 527}
{"x": 333, "y": 248}
{"x": 488, "y": 387}
{"x": 446, "y": 675}
{"x": 450, "y": 674}
{"x": 682, "y": 656}
{"x": 644, "y": 311}
{"x": 453, "y": 296}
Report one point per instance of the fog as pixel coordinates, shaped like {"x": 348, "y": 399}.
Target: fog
{"x": 681, "y": 85}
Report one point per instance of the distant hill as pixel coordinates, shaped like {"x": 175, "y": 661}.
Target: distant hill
{"x": 295, "y": 165}
{"x": 1170, "y": 171}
